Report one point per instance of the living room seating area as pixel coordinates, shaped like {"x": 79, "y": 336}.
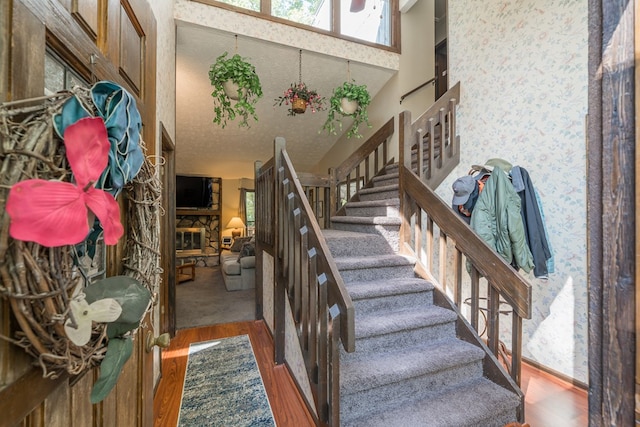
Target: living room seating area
{"x": 238, "y": 264}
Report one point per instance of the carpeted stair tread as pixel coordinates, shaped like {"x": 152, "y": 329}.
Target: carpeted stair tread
{"x": 345, "y": 243}
{"x": 409, "y": 319}
{"x": 395, "y": 366}
{"x": 379, "y": 189}
{"x": 386, "y": 176}
{"x": 368, "y": 262}
{"x": 478, "y": 403}
{"x": 380, "y": 288}
{"x": 375, "y": 220}
{"x": 370, "y": 203}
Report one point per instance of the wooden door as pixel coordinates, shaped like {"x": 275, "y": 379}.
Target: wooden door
{"x": 99, "y": 40}
{"x": 168, "y": 293}
{"x": 441, "y": 69}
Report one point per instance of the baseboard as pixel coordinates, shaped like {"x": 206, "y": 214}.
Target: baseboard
{"x": 556, "y": 374}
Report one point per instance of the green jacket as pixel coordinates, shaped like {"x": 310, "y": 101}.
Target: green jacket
{"x": 497, "y": 219}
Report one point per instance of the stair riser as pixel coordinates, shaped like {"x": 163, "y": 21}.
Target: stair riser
{"x": 389, "y": 232}
{"x": 372, "y": 244}
{"x": 361, "y": 403}
{"x": 376, "y": 273}
{"x": 392, "y": 302}
{"x": 379, "y": 195}
{"x": 386, "y": 181}
{"x": 393, "y": 341}
{"x": 373, "y": 211}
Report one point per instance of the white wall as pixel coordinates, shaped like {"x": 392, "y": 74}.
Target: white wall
{"x": 165, "y": 104}
{"x": 522, "y": 66}
{"x": 165, "y": 68}
{"x": 416, "y": 67}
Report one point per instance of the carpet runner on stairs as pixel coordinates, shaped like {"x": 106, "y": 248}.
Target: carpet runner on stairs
{"x": 409, "y": 368}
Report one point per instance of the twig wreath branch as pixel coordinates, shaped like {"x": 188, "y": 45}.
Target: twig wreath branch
{"x": 40, "y": 282}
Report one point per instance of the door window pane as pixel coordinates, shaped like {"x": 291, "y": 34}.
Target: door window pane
{"x": 59, "y": 76}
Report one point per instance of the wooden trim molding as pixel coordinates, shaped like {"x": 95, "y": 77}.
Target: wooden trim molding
{"x": 611, "y": 212}
{"x": 31, "y": 384}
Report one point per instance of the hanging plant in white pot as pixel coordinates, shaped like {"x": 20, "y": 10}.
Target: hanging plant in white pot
{"x": 234, "y": 79}
{"x": 348, "y": 100}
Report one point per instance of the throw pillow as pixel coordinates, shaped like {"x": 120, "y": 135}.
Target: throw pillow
{"x": 238, "y": 242}
{"x": 248, "y": 249}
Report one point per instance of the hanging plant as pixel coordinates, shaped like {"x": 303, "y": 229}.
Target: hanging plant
{"x": 299, "y": 96}
{"x": 348, "y": 100}
{"x": 243, "y": 88}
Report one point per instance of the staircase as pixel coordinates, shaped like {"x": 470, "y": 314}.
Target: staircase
{"x": 409, "y": 368}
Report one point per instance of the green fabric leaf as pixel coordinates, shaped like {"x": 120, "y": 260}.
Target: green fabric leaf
{"x": 127, "y": 291}
{"x": 116, "y": 329}
{"x": 118, "y": 352}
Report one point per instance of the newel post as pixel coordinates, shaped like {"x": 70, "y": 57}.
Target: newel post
{"x": 279, "y": 275}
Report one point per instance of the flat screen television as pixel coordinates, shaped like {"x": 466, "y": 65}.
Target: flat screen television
{"x": 194, "y": 192}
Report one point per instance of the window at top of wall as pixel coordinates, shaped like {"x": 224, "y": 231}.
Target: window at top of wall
{"x": 315, "y": 13}
{"x": 245, "y": 4}
{"x": 366, "y": 20}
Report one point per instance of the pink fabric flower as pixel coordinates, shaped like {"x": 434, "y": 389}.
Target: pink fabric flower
{"x": 54, "y": 213}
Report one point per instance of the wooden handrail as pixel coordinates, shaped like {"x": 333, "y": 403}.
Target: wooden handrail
{"x": 432, "y": 80}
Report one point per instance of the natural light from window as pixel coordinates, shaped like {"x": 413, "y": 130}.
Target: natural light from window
{"x": 367, "y": 20}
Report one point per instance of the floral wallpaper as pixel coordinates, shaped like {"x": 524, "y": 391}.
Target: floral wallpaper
{"x": 522, "y": 66}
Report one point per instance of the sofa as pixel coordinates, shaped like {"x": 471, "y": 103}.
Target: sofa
{"x": 238, "y": 265}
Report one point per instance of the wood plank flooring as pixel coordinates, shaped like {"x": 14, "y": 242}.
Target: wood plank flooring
{"x": 549, "y": 401}
{"x": 287, "y": 405}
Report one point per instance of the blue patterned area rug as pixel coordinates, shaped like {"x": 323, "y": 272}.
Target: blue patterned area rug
{"x": 223, "y": 386}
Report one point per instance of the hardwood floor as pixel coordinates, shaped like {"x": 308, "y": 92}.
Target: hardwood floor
{"x": 549, "y": 401}
{"x": 287, "y": 405}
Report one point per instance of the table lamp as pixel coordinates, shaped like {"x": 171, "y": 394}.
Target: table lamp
{"x": 236, "y": 223}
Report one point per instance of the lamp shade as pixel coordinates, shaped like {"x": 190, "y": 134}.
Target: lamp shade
{"x": 235, "y": 222}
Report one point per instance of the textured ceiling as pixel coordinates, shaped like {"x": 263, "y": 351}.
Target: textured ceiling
{"x": 204, "y": 148}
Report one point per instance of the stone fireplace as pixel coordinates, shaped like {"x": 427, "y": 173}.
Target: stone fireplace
{"x": 197, "y": 239}
{"x": 190, "y": 241}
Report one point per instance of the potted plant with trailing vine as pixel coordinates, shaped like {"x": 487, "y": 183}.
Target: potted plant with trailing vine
{"x": 298, "y": 97}
{"x": 348, "y": 100}
{"x": 234, "y": 79}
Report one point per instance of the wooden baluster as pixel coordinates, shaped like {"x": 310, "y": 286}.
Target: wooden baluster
{"x": 475, "y": 297}
{"x": 313, "y": 315}
{"x": 493, "y": 321}
{"x": 457, "y": 277}
{"x": 443, "y": 136}
{"x": 334, "y": 366}
{"x": 516, "y": 348}
{"x": 322, "y": 390}
{"x": 295, "y": 256}
{"x": 429, "y": 244}
{"x": 420, "y": 171}
{"x": 432, "y": 148}
{"x": 442, "y": 263}
{"x": 306, "y": 285}
{"x": 453, "y": 140}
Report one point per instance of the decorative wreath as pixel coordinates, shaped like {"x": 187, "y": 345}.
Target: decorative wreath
{"x": 63, "y": 161}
